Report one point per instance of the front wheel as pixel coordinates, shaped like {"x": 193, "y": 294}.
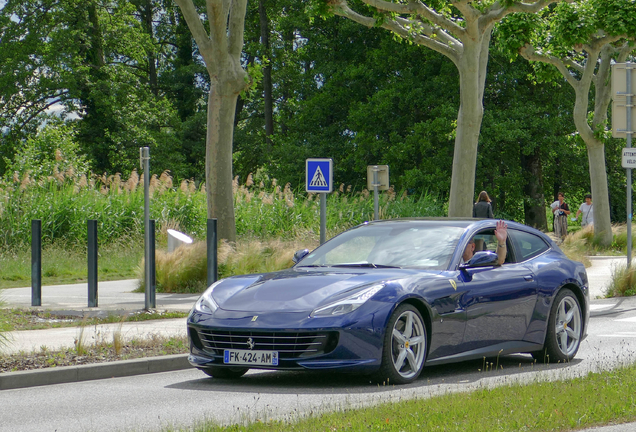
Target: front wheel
{"x": 565, "y": 329}
{"x": 404, "y": 349}
{"x": 225, "y": 372}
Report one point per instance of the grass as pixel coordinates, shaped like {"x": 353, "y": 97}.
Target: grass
{"x": 27, "y": 319}
{"x": 67, "y": 263}
{"x": 599, "y": 398}
{"x": 3, "y": 336}
{"x": 99, "y": 351}
{"x": 622, "y": 282}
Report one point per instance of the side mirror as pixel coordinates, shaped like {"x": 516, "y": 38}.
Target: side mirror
{"x": 299, "y": 255}
{"x": 482, "y": 259}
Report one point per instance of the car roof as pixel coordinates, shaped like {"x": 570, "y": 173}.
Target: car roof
{"x": 470, "y": 224}
{"x": 432, "y": 221}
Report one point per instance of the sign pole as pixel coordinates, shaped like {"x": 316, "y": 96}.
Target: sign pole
{"x": 377, "y": 180}
{"x": 628, "y": 133}
{"x": 144, "y": 161}
{"x": 323, "y": 217}
{"x": 623, "y": 87}
{"x": 319, "y": 179}
{"x": 375, "y": 193}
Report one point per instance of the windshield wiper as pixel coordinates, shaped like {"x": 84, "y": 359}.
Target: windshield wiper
{"x": 371, "y": 265}
{"x": 314, "y": 265}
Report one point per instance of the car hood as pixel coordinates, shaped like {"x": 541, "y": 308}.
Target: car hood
{"x": 296, "y": 290}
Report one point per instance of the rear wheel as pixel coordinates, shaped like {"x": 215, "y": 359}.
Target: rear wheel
{"x": 565, "y": 329}
{"x": 404, "y": 349}
{"x": 226, "y": 373}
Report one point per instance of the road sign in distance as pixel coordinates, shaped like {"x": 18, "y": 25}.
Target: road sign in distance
{"x": 319, "y": 175}
{"x": 383, "y": 176}
{"x": 619, "y": 80}
{"x": 619, "y": 99}
{"x": 629, "y": 158}
{"x": 619, "y": 118}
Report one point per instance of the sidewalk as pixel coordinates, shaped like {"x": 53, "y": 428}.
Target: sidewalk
{"x": 116, "y": 297}
{"x": 113, "y": 297}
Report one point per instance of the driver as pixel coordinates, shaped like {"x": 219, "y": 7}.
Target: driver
{"x": 501, "y": 233}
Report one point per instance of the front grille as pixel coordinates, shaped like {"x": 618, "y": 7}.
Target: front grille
{"x": 290, "y": 345}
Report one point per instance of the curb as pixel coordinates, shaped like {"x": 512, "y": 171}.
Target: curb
{"x": 94, "y": 371}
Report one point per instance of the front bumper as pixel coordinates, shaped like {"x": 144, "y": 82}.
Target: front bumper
{"x": 349, "y": 342}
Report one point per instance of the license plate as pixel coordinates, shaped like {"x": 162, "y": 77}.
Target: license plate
{"x": 246, "y": 357}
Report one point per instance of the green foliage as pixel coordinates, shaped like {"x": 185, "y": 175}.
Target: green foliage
{"x": 513, "y": 32}
{"x": 571, "y": 24}
{"x": 105, "y": 70}
{"x": 52, "y": 151}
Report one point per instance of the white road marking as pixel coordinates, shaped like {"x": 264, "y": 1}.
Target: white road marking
{"x": 595, "y": 307}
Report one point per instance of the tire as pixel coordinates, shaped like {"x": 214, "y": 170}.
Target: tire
{"x": 565, "y": 328}
{"x": 404, "y": 348}
{"x": 225, "y": 372}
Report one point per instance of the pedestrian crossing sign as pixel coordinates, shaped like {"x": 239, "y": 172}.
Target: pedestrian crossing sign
{"x": 319, "y": 175}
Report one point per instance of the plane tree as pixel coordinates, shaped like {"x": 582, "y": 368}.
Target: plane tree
{"x": 460, "y": 30}
{"x": 221, "y": 49}
{"x": 580, "y": 40}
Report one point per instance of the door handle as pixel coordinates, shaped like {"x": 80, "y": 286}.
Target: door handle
{"x": 529, "y": 278}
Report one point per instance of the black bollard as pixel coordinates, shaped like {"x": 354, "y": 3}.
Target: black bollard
{"x": 92, "y": 263}
{"x": 153, "y": 273}
{"x": 36, "y": 262}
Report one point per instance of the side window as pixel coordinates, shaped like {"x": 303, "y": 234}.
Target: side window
{"x": 486, "y": 240}
{"x": 526, "y": 245}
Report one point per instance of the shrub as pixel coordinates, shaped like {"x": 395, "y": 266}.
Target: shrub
{"x": 622, "y": 282}
{"x": 52, "y": 155}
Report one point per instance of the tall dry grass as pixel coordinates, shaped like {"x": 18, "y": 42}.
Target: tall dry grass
{"x": 64, "y": 202}
{"x": 185, "y": 269}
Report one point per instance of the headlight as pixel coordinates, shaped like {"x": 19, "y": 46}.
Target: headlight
{"x": 206, "y": 303}
{"x": 347, "y": 304}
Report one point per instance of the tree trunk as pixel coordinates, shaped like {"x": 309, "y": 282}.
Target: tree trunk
{"x": 600, "y": 195}
{"x": 472, "y": 72}
{"x": 596, "y": 161}
{"x": 267, "y": 74}
{"x": 145, "y": 10}
{"x": 221, "y": 50}
{"x": 218, "y": 158}
{"x": 534, "y": 202}
{"x": 185, "y": 100}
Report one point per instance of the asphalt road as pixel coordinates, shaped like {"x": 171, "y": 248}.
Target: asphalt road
{"x": 185, "y": 397}
{"x": 150, "y": 402}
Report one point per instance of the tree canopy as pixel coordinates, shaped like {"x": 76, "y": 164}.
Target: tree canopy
{"x": 129, "y": 73}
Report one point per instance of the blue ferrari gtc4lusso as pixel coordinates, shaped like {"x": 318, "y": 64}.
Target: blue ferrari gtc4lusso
{"x": 389, "y": 297}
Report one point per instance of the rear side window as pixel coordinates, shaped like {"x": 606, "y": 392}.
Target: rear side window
{"x": 527, "y": 245}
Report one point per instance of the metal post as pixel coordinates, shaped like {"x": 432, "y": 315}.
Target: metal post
{"x": 153, "y": 273}
{"x": 92, "y": 262}
{"x": 323, "y": 217}
{"x": 628, "y": 134}
{"x": 212, "y": 252}
{"x": 36, "y": 262}
{"x": 145, "y": 161}
{"x": 376, "y": 183}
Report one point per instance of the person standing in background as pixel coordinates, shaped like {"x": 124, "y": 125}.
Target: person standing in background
{"x": 561, "y": 213}
{"x": 483, "y": 208}
{"x": 586, "y": 210}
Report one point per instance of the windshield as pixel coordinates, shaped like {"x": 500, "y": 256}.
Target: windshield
{"x": 402, "y": 245}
